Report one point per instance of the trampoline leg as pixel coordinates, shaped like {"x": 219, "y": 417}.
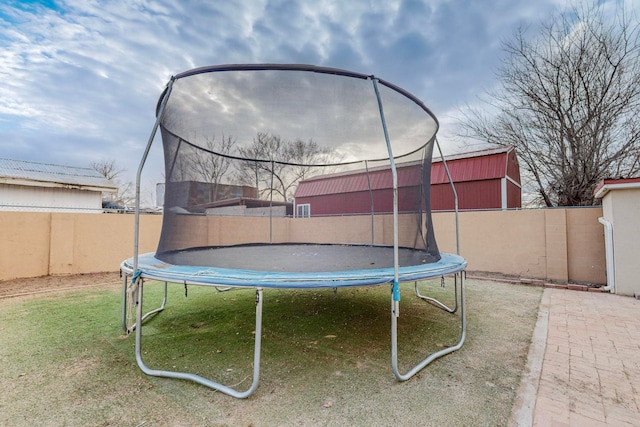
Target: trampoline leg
{"x": 131, "y": 328}
{"x": 197, "y": 378}
{"x": 125, "y": 279}
{"x": 433, "y": 356}
{"x": 438, "y": 303}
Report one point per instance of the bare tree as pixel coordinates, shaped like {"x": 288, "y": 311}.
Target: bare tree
{"x": 569, "y": 103}
{"x": 211, "y": 164}
{"x": 207, "y": 162}
{"x": 283, "y": 164}
{"x": 110, "y": 170}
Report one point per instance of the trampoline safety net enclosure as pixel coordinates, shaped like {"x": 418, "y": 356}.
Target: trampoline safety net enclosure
{"x": 238, "y": 141}
{"x": 290, "y": 176}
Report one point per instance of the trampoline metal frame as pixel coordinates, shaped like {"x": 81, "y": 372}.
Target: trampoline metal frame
{"x": 140, "y": 318}
{"x": 194, "y": 377}
{"x": 138, "y": 278}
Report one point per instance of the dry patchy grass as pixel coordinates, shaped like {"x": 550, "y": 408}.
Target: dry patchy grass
{"x": 325, "y": 360}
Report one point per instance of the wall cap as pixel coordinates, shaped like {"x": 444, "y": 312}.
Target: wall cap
{"x": 607, "y": 185}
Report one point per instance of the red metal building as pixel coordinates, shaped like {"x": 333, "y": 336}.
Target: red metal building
{"x": 487, "y": 179}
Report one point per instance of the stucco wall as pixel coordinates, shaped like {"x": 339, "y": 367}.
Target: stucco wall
{"x": 622, "y": 209}
{"x": 38, "y": 244}
{"x": 24, "y": 244}
{"x": 585, "y": 245}
{"x": 551, "y": 244}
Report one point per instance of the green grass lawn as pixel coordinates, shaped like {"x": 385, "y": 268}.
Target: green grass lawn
{"x": 325, "y": 358}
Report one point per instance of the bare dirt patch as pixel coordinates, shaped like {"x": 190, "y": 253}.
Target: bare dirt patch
{"x": 47, "y": 284}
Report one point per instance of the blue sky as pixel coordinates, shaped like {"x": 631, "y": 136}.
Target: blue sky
{"x": 80, "y": 78}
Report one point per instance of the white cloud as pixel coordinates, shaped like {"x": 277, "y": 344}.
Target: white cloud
{"x": 80, "y": 81}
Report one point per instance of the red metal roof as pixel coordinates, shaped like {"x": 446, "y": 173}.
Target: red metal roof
{"x": 476, "y": 165}
{"x": 605, "y": 185}
{"x": 354, "y": 182}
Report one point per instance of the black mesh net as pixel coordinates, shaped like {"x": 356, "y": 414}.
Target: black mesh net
{"x": 273, "y": 154}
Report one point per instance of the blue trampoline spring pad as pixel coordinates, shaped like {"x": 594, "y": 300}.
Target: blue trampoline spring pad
{"x": 292, "y": 266}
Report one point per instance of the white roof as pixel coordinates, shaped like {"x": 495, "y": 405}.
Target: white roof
{"x": 20, "y": 172}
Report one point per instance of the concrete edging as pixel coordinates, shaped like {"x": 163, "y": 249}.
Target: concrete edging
{"x": 524, "y": 406}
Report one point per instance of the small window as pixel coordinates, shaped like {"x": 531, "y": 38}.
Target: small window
{"x": 303, "y": 211}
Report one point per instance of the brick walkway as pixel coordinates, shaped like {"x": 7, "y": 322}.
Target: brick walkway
{"x": 590, "y": 368}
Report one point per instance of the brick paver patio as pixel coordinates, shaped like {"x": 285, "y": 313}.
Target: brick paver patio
{"x": 590, "y": 373}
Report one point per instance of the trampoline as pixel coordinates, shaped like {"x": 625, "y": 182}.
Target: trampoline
{"x": 251, "y": 153}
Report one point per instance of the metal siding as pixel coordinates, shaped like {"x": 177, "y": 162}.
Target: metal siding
{"x": 477, "y": 181}
{"x": 356, "y": 182}
{"x": 470, "y": 169}
{"x": 441, "y": 197}
{"x": 380, "y": 180}
{"x": 471, "y": 195}
{"x": 20, "y": 197}
{"x": 485, "y": 194}
{"x": 513, "y": 168}
{"x": 514, "y": 196}
{"x": 410, "y": 176}
{"x": 408, "y": 200}
{"x": 359, "y": 202}
{"x": 438, "y": 173}
{"x": 337, "y": 204}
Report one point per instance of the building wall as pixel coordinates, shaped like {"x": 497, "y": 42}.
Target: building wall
{"x": 486, "y": 194}
{"x": 621, "y": 208}
{"x": 478, "y": 181}
{"x": 242, "y": 210}
{"x": 359, "y": 202}
{"x": 549, "y": 244}
{"x": 513, "y": 167}
{"x": 22, "y": 197}
{"x": 514, "y": 195}
{"x": 472, "y": 195}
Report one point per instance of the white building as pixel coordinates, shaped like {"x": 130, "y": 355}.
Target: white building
{"x": 31, "y": 186}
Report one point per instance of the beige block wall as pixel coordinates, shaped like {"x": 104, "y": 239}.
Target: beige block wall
{"x": 24, "y": 244}
{"x": 555, "y": 234}
{"x": 585, "y": 245}
{"x": 352, "y": 229}
{"x": 551, "y": 244}
{"x": 37, "y": 244}
{"x": 98, "y": 245}
{"x": 347, "y": 229}
{"x": 497, "y": 241}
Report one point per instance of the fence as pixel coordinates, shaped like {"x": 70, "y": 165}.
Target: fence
{"x": 551, "y": 244}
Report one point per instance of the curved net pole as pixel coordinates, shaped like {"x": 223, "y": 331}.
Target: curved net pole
{"x": 395, "y": 298}
{"x": 160, "y": 115}
{"x": 366, "y": 168}
{"x": 271, "y": 204}
{"x": 394, "y": 176}
{"x": 395, "y": 293}
{"x": 136, "y": 233}
{"x": 455, "y": 195}
{"x": 455, "y": 205}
